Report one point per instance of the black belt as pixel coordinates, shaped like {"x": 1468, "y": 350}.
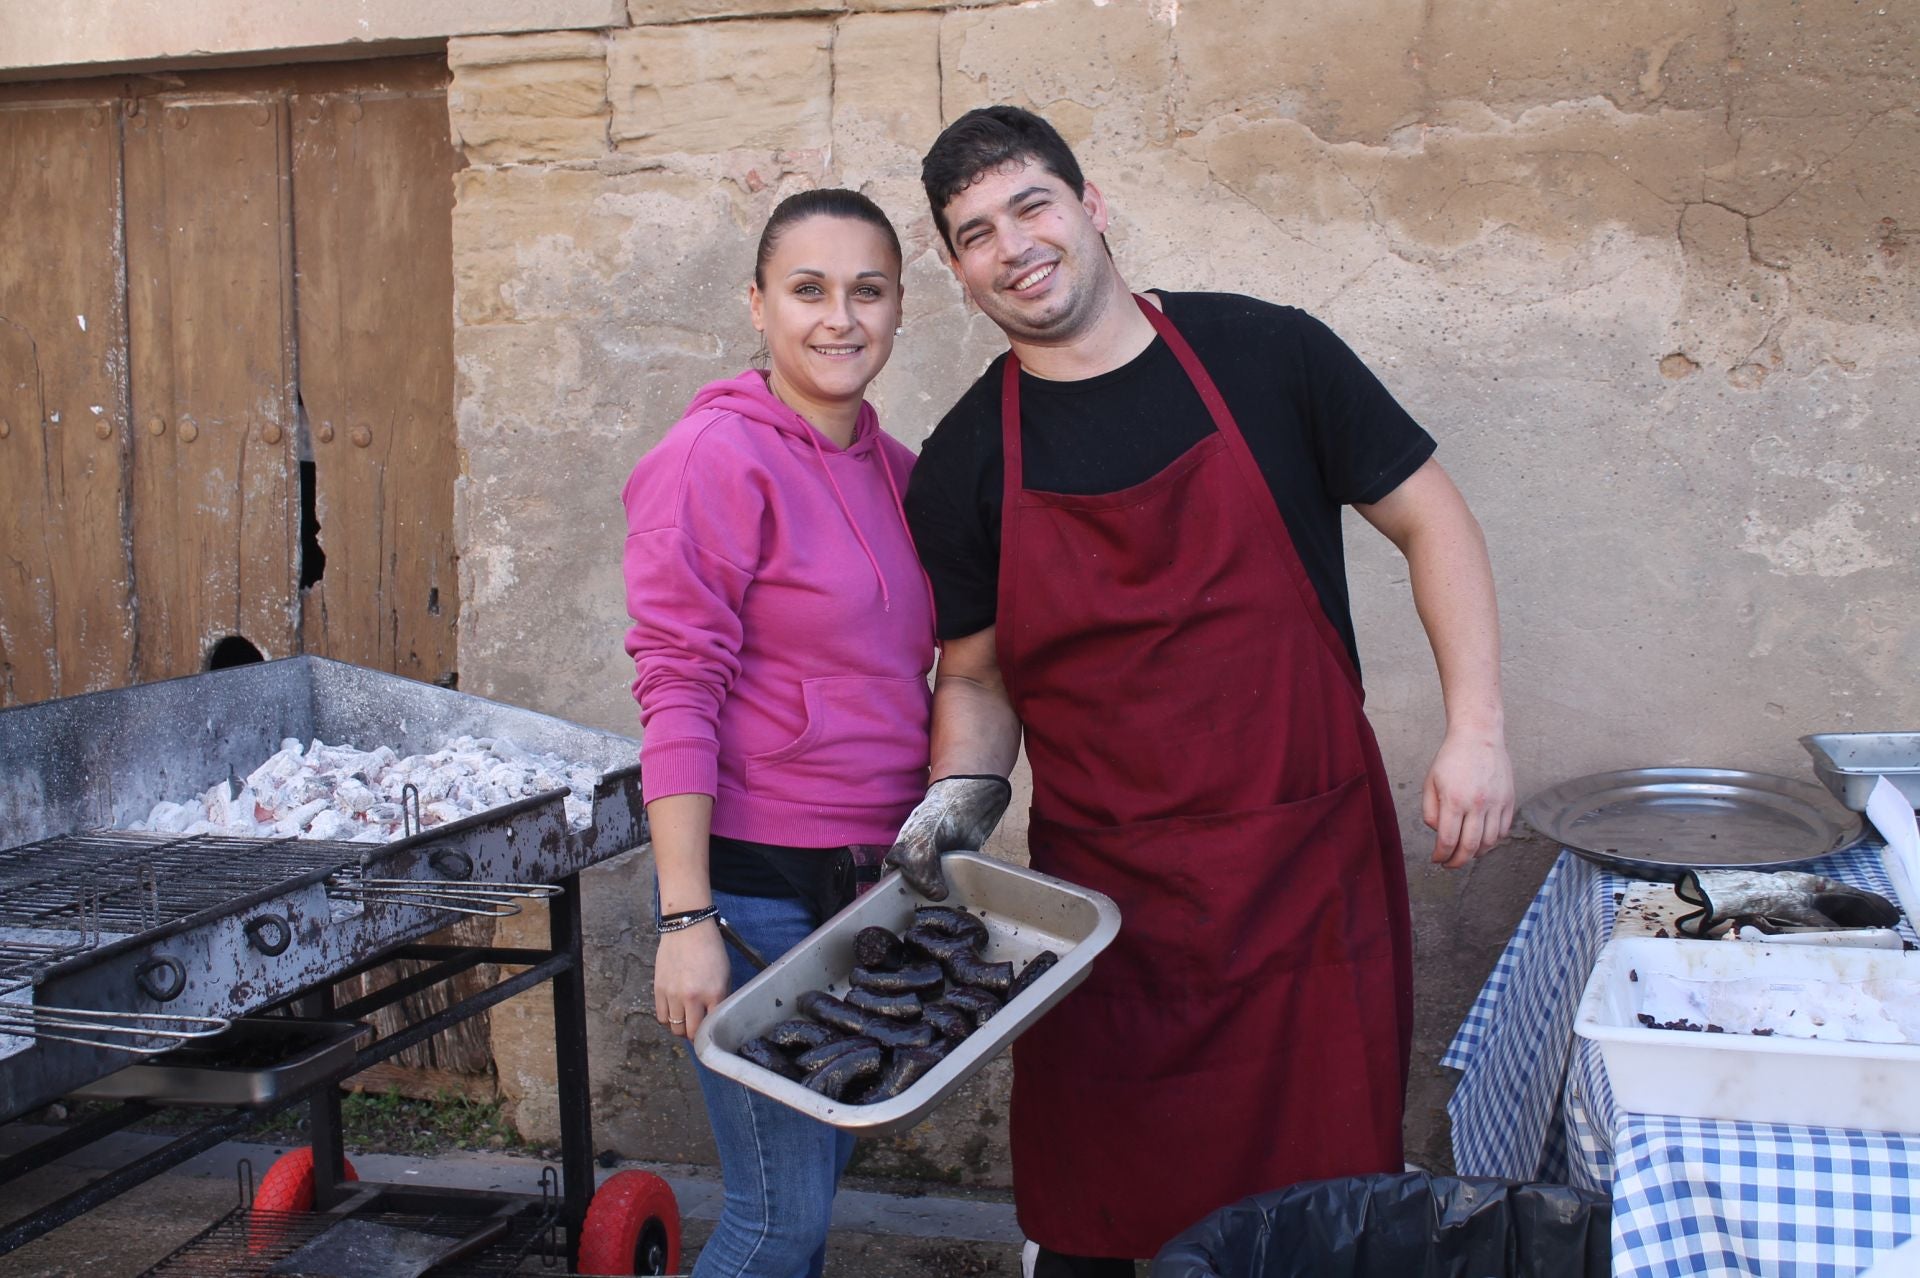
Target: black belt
{"x": 825, "y": 879}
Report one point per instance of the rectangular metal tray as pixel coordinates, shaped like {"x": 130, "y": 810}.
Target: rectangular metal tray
{"x": 1025, "y": 913}
{"x": 307, "y": 1051}
{"x": 1848, "y": 762}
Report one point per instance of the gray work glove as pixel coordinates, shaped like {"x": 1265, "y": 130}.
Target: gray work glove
{"x": 958, "y": 812}
{"x": 1774, "y": 901}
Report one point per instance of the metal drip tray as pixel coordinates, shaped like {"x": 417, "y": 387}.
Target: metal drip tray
{"x": 262, "y": 1060}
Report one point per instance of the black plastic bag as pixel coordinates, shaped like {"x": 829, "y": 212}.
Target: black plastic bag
{"x": 1399, "y": 1226}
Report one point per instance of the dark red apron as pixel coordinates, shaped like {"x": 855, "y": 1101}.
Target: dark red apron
{"x": 1200, "y": 755}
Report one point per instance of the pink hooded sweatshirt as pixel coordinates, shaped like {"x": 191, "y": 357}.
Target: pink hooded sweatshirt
{"x": 783, "y": 629}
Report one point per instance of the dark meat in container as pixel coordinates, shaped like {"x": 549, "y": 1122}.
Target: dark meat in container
{"x": 1024, "y": 912}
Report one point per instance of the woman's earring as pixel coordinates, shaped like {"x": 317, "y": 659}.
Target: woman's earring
{"x": 901, "y": 329}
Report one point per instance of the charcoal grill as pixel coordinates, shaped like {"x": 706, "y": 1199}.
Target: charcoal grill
{"x": 117, "y": 945}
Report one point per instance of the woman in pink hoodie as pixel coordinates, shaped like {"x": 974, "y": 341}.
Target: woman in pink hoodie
{"x": 782, "y": 635}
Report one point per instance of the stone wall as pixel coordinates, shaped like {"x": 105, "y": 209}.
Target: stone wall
{"x": 1645, "y": 269}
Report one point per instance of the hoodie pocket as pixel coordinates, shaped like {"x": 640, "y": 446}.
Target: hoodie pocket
{"x": 861, "y": 731}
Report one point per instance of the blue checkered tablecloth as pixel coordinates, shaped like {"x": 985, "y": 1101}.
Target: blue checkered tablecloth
{"x": 1690, "y": 1196}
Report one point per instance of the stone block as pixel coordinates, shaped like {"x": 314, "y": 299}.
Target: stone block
{"x": 520, "y": 99}
{"x": 522, "y": 1032}
{"x": 94, "y": 33}
{"x": 900, "y": 6}
{"x": 886, "y": 92}
{"x": 1345, "y": 71}
{"x": 647, "y": 13}
{"x": 582, "y": 245}
{"x": 1511, "y": 54}
{"x": 1098, "y": 72}
{"x": 1848, "y": 234}
{"x": 1786, "y": 61}
{"x": 1559, "y": 175}
{"x": 722, "y": 86}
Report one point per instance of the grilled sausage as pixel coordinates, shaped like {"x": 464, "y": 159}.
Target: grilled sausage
{"x": 975, "y": 1002}
{"x": 951, "y": 1022}
{"x": 900, "y": 1033}
{"x": 896, "y": 1007}
{"x": 764, "y": 1054}
{"x": 831, "y": 1012}
{"x": 827, "y": 1053}
{"x": 971, "y": 969}
{"x": 1036, "y": 967}
{"x": 878, "y": 949}
{"x": 798, "y": 1035}
{"x": 914, "y": 978}
{"x": 901, "y": 1073}
{"x": 947, "y": 921}
{"x": 937, "y": 945}
{"x": 834, "y": 1078}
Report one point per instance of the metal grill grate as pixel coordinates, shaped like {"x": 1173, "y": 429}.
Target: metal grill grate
{"x": 59, "y": 897}
{"x": 249, "y": 1244}
{"x": 122, "y": 882}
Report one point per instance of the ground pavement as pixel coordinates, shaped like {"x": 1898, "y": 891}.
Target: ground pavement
{"x": 879, "y": 1230}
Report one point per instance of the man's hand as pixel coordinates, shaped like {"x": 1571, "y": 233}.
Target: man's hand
{"x": 1468, "y": 797}
{"x": 958, "y": 812}
{"x": 690, "y": 978}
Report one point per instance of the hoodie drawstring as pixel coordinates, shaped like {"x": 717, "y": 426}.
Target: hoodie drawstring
{"x": 900, "y": 508}
{"x": 813, "y": 437}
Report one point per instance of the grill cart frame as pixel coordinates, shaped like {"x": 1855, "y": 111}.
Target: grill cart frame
{"x": 80, "y": 764}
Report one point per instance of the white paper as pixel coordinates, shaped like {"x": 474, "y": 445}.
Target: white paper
{"x": 1892, "y": 815}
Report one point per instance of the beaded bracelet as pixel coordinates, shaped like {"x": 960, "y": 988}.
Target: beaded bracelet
{"x": 685, "y": 919}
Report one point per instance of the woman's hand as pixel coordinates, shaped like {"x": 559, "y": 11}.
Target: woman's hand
{"x": 690, "y": 977}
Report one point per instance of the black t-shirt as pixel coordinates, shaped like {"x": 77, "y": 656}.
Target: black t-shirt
{"x": 1322, "y": 428}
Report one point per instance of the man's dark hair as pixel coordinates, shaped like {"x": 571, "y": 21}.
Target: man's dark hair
{"x": 826, "y": 202}
{"x": 984, "y": 140}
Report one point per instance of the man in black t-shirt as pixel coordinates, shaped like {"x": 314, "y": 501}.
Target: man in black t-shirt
{"x": 1132, "y": 527}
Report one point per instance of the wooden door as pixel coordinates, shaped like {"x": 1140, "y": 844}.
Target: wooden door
{"x": 226, "y": 373}
{"x": 373, "y": 219}
{"x": 65, "y": 580}
{"x": 215, "y": 488}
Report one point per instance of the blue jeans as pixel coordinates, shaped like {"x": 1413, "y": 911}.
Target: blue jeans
{"x": 779, "y": 1167}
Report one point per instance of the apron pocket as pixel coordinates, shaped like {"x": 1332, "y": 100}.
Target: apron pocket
{"x": 1210, "y": 902}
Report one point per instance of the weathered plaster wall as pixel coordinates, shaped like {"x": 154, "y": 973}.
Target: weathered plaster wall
{"x": 1646, "y": 269}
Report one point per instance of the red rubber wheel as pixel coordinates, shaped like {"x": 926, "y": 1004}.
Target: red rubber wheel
{"x": 288, "y": 1184}
{"x": 632, "y": 1227}
{"x": 286, "y": 1188}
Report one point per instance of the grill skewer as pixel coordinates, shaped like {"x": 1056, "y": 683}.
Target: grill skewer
{"x": 144, "y": 1033}
{"x": 486, "y": 900}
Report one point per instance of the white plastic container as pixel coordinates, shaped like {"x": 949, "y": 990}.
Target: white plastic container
{"x": 1776, "y": 1079}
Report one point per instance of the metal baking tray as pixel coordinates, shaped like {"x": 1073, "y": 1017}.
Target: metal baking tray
{"x": 1848, "y": 762}
{"x": 1658, "y": 822}
{"x": 226, "y": 1071}
{"x": 1025, "y": 913}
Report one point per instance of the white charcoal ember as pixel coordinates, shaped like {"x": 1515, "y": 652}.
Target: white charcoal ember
{"x": 340, "y": 793}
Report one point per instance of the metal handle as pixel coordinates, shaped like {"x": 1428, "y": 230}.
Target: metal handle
{"x": 271, "y": 934}
{"x": 163, "y": 979}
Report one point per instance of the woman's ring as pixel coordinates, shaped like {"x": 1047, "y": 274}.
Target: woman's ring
{"x": 676, "y": 1020}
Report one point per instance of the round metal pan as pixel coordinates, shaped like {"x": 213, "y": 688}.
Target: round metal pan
{"x": 1660, "y": 822}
